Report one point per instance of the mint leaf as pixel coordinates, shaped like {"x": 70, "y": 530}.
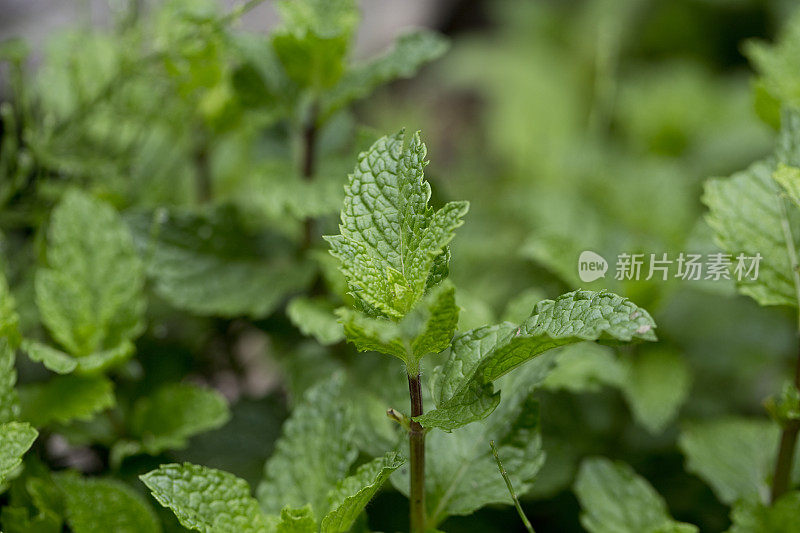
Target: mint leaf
{"x": 102, "y": 505}
{"x": 750, "y": 516}
{"x": 788, "y": 178}
{"x": 315, "y": 317}
{"x": 314, "y": 40}
{"x": 585, "y": 367}
{"x": 747, "y": 214}
{"x": 52, "y": 358}
{"x": 410, "y": 52}
{"x": 777, "y": 63}
{"x": 90, "y": 296}
{"x": 215, "y": 263}
{"x": 479, "y": 357}
{"x": 16, "y": 438}
{"x": 314, "y": 452}
{"x": 390, "y": 237}
{"x": 207, "y": 500}
{"x": 352, "y": 494}
{"x": 166, "y": 419}
{"x": 736, "y": 457}
{"x": 297, "y": 521}
{"x": 656, "y": 383}
{"x": 63, "y": 363}
{"x": 65, "y": 398}
{"x": 427, "y": 328}
{"x": 616, "y": 500}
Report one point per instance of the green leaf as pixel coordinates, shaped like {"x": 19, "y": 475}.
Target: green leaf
{"x": 297, "y": 521}
{"x": 63, "y": 363}
{"x": 102, "y": 505}
{"x": 311, "y": 61}
{"x": 352, "y": 494}
{"x": 585, "y": 367}
{"x": 316, "y": 318}
{"x": 216, "y": 263}
{"x": 207, "y": 500}
{"x": 748, "y": 215}
{"x": 778, "y": 63}
{"x": 462, "y": 387}
{"x": 313, "y": 453}
{"x": 789, "y": 178}
{"x": 463, "y": 477}
{"x": 166, "y": 419}
{"x": 65, "y": 398}
{"x": 90, "y": 296}
{"x": 410, "y": 52}
{"x": 52, "y": 358}
{"x": 313, "y": 43}
{"x": 16, "y": 438}
{"x": 656, "y": 384}
{"x": 736, "y": 457}
{"x": 390, "y": 237}
{"x": 428, "y": 328}
{"x": 616, "y": 500}
{"x": 750, "y": 516}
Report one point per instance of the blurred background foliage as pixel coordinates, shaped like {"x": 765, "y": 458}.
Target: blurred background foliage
{"x": 569, "y": 125}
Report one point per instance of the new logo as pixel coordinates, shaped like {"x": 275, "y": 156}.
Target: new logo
{"x": 591, "y": 266}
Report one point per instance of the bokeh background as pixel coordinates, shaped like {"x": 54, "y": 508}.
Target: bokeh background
{"x": 569, "y": 125}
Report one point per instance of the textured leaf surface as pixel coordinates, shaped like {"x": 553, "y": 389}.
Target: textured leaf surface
{"x": 410, "y": 52}
{"x": 216, "y": 264}
{"x": 314, "y": 452}
{"x": 749, "y": 214}
{"x": 352, "y": 494}
{"x": 65, "y": 398}
{"x": 166, "y": 419}
{"x": 316, "y": 318}
{"x": 206, "y": 500}
{"x": 481, "y": 356}
{"x": 390, "y": 237}
{"x": 754, "y": 517}
{"x": 90, "y": 294}
{"x": 15, "y": 439}
{"x": 616, "y": 500}
{"x": 735, "y": 457}
{"x": 428, "y": 328}
{"x": 102, "y": 505}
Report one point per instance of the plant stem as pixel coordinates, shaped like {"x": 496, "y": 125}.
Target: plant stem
{"x": 783, "y": 466}
{"x": 416, "y": 441}
{"x": 785, "y": 462}
{"x": 503, "y": 473}
{"x": 308, "y": 167}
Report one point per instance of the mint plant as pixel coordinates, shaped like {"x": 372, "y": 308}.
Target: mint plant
{"x": 394, "y": 252}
